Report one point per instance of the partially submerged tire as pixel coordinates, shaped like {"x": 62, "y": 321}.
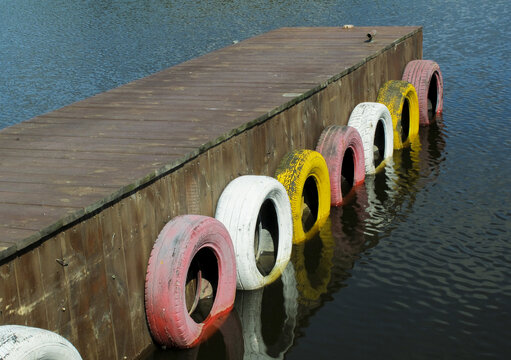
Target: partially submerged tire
{"x": 426, "y": 77}
{"x": 341, "y": 147}
{"x": 28, "y": 343}
{"x": 190, "y": 249}
{"x": 304, "y": 174}
{"x": 374, "y": 123}
{"x": 256, "y": 212}
{"x": 401, "y": 100}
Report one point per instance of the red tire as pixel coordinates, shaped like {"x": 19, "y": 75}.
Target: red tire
{"x": 334, "y": 144}
{"x": 185, "y": 243}
{"x": 426, "y": 78}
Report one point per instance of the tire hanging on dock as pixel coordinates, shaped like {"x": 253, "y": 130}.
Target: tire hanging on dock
{"x": 26, "y": 343}
{"x": 401, "y": 100}
{"x": 374, "y": 123}
{"x": 426, "y": 77}
{"x": 193, "y": 255}
{"x": 304, "y": 174}
{"x": 257, "y": 213}
{"x": 342, "y": 148}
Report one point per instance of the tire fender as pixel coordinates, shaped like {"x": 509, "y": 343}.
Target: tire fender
{"x": 365, "y": 117}
{"x": 26, "y": 343}
{"x": 239, "y": 208}
{"x": 177, "y": 244}
{"x": 393, "y": 95}
{"x": 293, "y": 172}
{"x": 333, "y": 143}
{"x": 421, "y": 74}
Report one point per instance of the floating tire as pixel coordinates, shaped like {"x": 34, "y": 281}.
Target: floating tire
{"x": 27, "y": 343}
{"x": 304, "y": 174}
{"x": 253, "y": 314}
{"x": 334, "y": 144}
{"x": 311, "y": 291}
{"x": 426, "y": 77}
{"x": 401, "y": 100}
{"x": 374, "y": 123}
{"x": 256, "y": 212}
{"x": 189, "y": 245}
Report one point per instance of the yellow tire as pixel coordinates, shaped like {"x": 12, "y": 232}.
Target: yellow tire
{"x": 312, "y": 283}
{"x": 401, "y": 99}
{"x": 304, "y": 174}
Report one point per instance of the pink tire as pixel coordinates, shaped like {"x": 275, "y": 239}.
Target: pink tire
{"x": 426, "y": 78}
{"x": 185, "y": 243}
{"x": 335, "y": 143}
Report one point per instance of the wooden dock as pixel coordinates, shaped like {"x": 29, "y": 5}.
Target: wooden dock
{"x": 85, "y": 190}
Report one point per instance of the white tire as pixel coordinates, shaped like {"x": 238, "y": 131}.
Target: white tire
{"x": 365, "y": 118}
{"x": 248, "y": 305}
{"x": 256, "y": 210}
{"x": 28, "y": 343}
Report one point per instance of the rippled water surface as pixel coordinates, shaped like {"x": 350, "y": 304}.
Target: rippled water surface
{"x": 418, "y": 264}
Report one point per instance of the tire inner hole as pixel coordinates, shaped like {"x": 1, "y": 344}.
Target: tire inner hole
{"x": 310, "y": 203}
{"x": 379, "y": 143}
{"x": 266, "y": 238}
{"x": 405, "y": 121}
{"x": 347, "y": 171}
{"x": 201, "y": 284}
{"x": 433, "y": 96}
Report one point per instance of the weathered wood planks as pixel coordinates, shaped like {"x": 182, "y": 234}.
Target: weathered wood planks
{"x": 93, "y": 183}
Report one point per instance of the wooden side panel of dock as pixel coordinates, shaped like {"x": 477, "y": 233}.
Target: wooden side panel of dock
{"x": 85, "y": 190}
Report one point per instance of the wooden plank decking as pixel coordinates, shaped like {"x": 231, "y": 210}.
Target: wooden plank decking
{"x": 64, "y": 165}
{"x": 85, "y": 190}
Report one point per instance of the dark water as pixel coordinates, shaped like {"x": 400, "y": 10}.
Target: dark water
{"x": 418, "y": 265}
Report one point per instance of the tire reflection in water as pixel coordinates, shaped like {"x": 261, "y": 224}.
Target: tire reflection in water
{"x": 387, "y": 196}
{"x": 225, "y": 343}
{"x": 391, "y": 193}
{"x": 272, "y": 318}
{"x": 369, "y": 215}
{"x": 433, "y": 144}
{"x": 312, "y": 261}
{"x": 268, "y": 317}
